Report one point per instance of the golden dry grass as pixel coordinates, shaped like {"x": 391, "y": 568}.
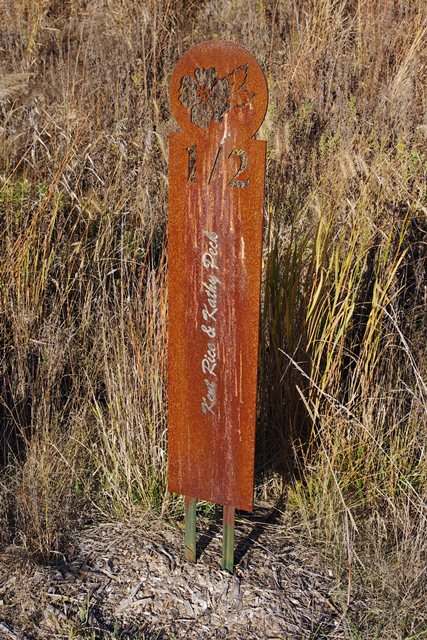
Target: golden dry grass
{"x": 83, "y": 178}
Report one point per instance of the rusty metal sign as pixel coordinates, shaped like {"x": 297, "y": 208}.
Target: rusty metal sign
{"x": 218, "y": 95}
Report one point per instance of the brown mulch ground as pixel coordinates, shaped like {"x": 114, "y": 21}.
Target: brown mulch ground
{"x": 130, "y": 581}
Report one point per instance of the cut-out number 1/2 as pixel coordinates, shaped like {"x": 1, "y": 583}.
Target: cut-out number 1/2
{"x": 235, "y": 181}
{"x": 191, "y": 163}
{"x": 243, "y": 157}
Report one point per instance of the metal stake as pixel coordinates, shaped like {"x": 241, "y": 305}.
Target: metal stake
{"x": 228, "y": 540}
{"x": 190, "y": 529}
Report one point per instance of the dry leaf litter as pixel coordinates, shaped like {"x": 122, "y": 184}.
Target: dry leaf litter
{"x": 130, "y": 581}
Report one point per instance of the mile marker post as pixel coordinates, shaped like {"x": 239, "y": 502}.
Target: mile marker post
{"x": 218, "y": 96}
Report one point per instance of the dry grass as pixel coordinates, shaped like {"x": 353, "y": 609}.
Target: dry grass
{"x": 83, "y": 135}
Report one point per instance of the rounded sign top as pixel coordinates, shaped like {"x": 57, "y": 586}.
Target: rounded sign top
{"x": 218, "y": 86}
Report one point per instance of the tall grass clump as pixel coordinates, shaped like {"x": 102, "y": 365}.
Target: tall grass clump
{"x": 83, "y": 179}
{"x": 345, "y": 307}
{"x": 83, "y": 98}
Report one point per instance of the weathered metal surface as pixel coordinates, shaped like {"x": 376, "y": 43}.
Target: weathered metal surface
{"x": 218, "y": 96}
{"x": 190, "y": 529}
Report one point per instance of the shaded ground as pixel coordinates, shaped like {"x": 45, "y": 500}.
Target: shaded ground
{"x": 130, "y": 581}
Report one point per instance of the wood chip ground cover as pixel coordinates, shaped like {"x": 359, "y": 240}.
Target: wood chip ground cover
{"x": 127, "y": 580}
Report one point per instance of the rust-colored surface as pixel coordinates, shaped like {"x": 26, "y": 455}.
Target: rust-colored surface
{"x": 218, "y": 96}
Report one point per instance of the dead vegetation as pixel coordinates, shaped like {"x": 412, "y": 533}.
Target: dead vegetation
{"x": 128, "y": 581}
{"x": 83, "y": 178}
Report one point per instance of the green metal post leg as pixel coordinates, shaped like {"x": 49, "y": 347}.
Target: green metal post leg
{"x": 190, "y": 529}
{"x": 228, "y": 540}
